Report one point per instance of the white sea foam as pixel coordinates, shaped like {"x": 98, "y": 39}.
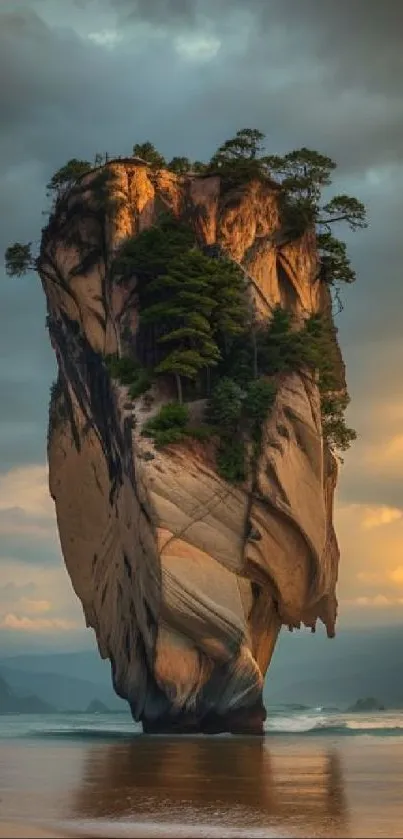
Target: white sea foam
{"x": 122, "y": 829}
{"x": 295, "y": 723}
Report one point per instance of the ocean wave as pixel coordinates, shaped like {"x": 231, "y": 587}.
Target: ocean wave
{"x": 283, "y": 723}
{"x": 340, "y": 725}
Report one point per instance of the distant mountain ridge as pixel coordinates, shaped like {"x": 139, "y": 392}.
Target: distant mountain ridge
{"x": 51, "y": 678}
{"x": 307, "y": 670}
{"x": 313, "y": 670}
{"x": 12, "y": 704}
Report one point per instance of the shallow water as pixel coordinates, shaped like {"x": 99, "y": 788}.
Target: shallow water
{"x": 315, "y": 774}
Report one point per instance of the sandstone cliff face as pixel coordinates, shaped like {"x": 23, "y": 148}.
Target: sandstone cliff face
{"x": 185, "y": 579}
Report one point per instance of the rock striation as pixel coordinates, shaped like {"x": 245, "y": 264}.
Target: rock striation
{"x": 185, "y": 579}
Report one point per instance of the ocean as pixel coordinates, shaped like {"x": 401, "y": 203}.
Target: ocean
{"x": 316, "y": 773}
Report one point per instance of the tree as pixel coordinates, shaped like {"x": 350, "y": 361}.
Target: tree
{"x": 180, "y": 303}
{"x": 303, "y": 173}
{"x": 246, "y": 145}
{"x": 335, "y": 265}
{"x": 180, "y": 165}
{"x": 150, "y": 254}
{"x": 66, "y": 177}
{"x": 149, "y": 153}
{"x": 19, "y": 259}
{"x": 343, "y": 208}
{"x": 225, "y": 405}
{"x": 228, "y": 289}
{"x": 199, "y": 167}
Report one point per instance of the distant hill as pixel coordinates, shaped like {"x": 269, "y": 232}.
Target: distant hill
{"x": 12, "y": 704}
{"x": 313, "y": 670}
{"x": 306, "y": 670}
{"x": 64, "y": 692}
{"x": 366, "y": 705}
{"x": 97, "y": 707}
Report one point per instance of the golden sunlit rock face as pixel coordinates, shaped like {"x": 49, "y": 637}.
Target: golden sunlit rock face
{"x": 185, "y": 578}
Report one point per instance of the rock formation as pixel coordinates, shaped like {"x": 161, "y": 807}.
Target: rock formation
{"x": 185, "y": 578}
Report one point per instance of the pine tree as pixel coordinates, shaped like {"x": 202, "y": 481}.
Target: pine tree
{"x": 180, "y": 165}
{"x": 229, "y": 315}
{"x": 19, "y": 259}
{"x": 66, "y": 177}
{"x": 149, "y": 153}
{"x": 183, "y": 311}
{"x": 246, "y": 145}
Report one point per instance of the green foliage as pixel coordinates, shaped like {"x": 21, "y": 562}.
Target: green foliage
{"x": 320, "y": 352}
{"x": 246, "y": 145}
{"x": 235, "y": 413}
{"x": 168, "y": 426}
{"x": 335, "y": 429}
{"x": 281, "y": 348}
{"x": 225, "y": 405}
{"x": 122, "y": 369}
{"x": 129, "y": 372}
{"x": 344, "y": 208}
{"x": 150, "y": 254}
{"x": 231, "y": 459}
{"x": 279, "y": 345}
{"x": 196, "y": 302}
{"x": 183, "y": 311}
{"x": 180, "y": 165}
{"x": 149, "y": 153}
{"x": 66, "y": 177}
{"x": 260, "y": 397}
{"x": 199, "y": 167}
{"x": 335, "y": 265}
{"x": 19, "y": 259}
{"x": 224, "y": 412}
{"x": 166, "y": 437}
{"x": 58, "y": 413}
{"x": 103, "y": 193}
{"x": 171, "y": 415}
{"x": 201, "y": 432}
{"x": 303, "y": 173}
{"x": 141, "y": 383}
{"x": 238, "y": 160}
{"x": 227, "y": 287}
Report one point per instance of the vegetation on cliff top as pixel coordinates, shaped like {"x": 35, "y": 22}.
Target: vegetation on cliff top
{"x": 301, "y": 174}
{"x": 196, "y": 319}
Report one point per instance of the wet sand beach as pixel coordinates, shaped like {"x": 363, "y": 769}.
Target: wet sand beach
{"x": 203, "y": 786}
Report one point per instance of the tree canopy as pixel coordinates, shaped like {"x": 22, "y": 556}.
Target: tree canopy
{"x": 19, "y": 259}
{"x": 246, "y": 145}
{"x": 67, "y": 175}
{"x": 180, "y": 165}
{"x": 197, "y": 320}
{"x": 149, "y": 153}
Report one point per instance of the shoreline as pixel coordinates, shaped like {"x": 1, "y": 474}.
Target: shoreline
{"x": 24, "y": 830}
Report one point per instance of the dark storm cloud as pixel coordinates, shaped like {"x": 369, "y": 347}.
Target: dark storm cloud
{"x": 161, "y": 12}
{"x": 326, "y": 75}
{"x": 360, "y": 39}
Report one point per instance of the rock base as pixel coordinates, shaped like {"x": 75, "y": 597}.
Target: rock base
{"x": 241, "y": 721}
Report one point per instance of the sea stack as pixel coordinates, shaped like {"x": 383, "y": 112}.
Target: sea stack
{"x": 185, "y": 576}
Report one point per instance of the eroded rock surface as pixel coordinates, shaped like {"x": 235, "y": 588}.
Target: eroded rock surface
{"x": 185, "y": 578}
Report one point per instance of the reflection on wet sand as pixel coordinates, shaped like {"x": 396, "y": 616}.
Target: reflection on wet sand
{"x": 242, "y": 783}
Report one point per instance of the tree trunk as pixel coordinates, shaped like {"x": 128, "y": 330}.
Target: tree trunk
{"x": 179, "y": 387}
{"x": 208, "y": 380}
{"x": 254, "y": 345}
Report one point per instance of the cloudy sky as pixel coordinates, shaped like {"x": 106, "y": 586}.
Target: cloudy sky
{"x": 87, "y": 76}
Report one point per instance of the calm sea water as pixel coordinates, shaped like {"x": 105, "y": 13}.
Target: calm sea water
{"x": 315, "y": 773}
